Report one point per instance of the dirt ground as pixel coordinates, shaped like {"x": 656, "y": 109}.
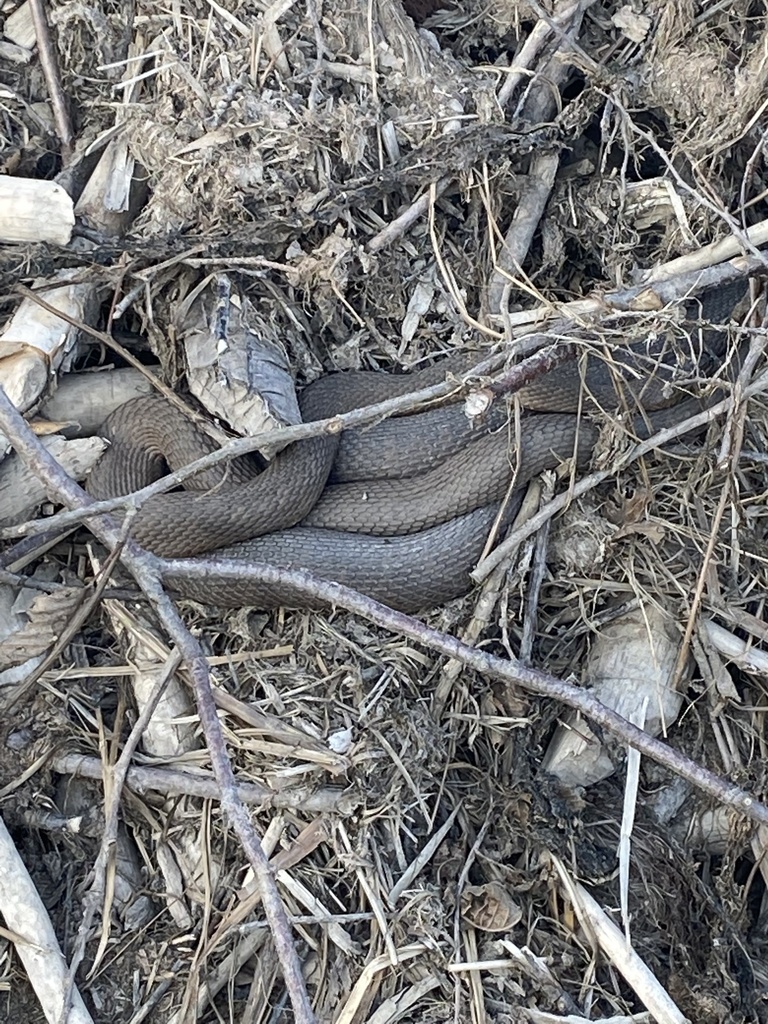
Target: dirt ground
{"x": 381, "y": 183}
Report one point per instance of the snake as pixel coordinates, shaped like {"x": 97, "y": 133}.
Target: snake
{"x": 399, "y": 511}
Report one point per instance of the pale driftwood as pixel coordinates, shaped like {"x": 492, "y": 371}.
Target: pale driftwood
{"x": 29, "y": 927}
{"x": 12, "y": 620}
{"x": 21, "y": 492}
{"x": 25, "y": 638}
{"x": 105, "y": 202}
{"x": 631, "y": 663}
{"x": 19, "y": 27}
{"x": 607, "y": 938}
{"x": 83, "y": 401}
{"x": 34, "y": 211}
{"x": 34, "y": 342}
{"x": 750, "y": 659}
{"x": 106, "y": 199}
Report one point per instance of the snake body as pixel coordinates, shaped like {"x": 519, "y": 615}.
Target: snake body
{"x": 400, "y": 511}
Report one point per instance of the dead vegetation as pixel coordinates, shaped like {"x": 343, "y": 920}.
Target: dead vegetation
{"x": 381, "y": 183}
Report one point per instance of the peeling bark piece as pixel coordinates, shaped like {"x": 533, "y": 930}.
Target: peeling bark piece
{"x": 46, "y": 617}
{"x": 21, "y": 492}
{"x": 237, "y": 367}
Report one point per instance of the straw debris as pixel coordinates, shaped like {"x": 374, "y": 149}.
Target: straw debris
{"x": 377, "y": 184}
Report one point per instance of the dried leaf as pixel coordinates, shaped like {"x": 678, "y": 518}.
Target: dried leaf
{"x": 490, "y": 908}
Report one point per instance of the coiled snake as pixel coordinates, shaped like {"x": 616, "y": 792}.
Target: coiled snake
{"x": 399, "y": 511}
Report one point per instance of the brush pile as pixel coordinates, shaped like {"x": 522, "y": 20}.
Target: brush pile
{"x": 267, "y": 193}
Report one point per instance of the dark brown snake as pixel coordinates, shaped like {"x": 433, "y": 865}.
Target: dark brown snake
{"x": 399, "y": 511}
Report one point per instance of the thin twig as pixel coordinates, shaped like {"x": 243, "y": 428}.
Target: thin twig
{"x": 409, "y": 216}
{"x": 49, "y": 62}
{"x": 540, "y": 683}
{"x": 173, "y": 783}
{"x": 536, "y": 579}
{"x": 97, "y": 893}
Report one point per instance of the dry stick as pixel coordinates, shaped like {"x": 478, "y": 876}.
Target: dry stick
{"x": 709, "y": 267}
{"x": 112, "y": 793}
{"x": 158, "y": 992}
{"x": 539, "y": 106}
{"x": 535, "y": 682}
{"x": 50, "y": 65}
{"x": 698, "y": 593}
{"x": 591, "y": 481}
{"x": 664, "y": 285}
{"x": 536, "y": 579}
{"x": 525, "y": 220}
{"x": 564, "y": 35}
{"x": 414, "y": 212}
{"x": 144, "y": 567}
{"x": 20, "y": 555}
{"x": 27, "y": 922}
{"x": 12, "y": 579}
{"x": 171, "y": 783}
{"x": 529, "y": 51}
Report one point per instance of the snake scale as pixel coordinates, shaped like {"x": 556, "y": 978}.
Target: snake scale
{"x": 399, "y": 511}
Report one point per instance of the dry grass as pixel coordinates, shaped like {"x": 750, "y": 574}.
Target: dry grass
{"x": 415, "y": 836}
